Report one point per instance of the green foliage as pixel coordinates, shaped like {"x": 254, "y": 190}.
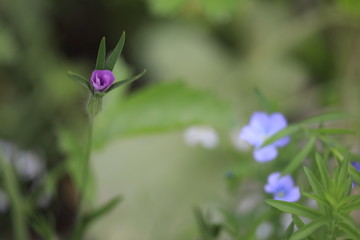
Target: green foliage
{"x": 114, "y": 56}
{"x": 167, "y": 107}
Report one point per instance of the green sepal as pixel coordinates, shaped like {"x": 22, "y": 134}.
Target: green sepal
{"x": 115, "y": 53}
{"x": 100, "y": 60}
{"x": 80, "y": 80}
{"x": 95, "y": 104}
{"x": 125, "y": 81}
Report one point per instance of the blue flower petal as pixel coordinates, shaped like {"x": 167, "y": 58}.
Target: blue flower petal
{"x": 251, "y": 135}
{"x": 265, "y": 154}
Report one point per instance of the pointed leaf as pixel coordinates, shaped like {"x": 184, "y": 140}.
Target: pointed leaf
{"x": 328, "y": 131}
{"x": 314, "y": 182}
{"x": 324, "y": 174}
{"x": 351, "y": 231}
{"x": 325, "y": 118}
{"x": 309, "y": 228}
{"x": 103, "y": 210}
{"x": 289, "y": 231}
{"x": 125, "y": 81}
{"x": 294, "y": 208}
{"x": 115, "y": 53}
{"x": 297, "y": 220}
{"x": 300, "y": 157}
{"x": 280, "y": 134}
{"x": 79, "y": 79}
{"x": 354, "y": 205}
{"x": 100, "y": 60}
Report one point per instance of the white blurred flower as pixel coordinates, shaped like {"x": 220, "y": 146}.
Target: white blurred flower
{"x": 239, "y": 143}
{"x": 201, "y": 135}
{"x": 4, "y": 201}
{"x": 28, "y": 164}
{"x": 264, "y": 230}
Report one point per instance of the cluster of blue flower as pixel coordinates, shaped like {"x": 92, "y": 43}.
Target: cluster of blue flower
{"x": 261, "y": 127}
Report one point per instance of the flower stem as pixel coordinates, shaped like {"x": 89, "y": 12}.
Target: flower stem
{"x": 18, "y": 215}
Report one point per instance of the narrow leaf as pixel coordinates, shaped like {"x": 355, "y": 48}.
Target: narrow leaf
{"x": 309, "y": 228}
{"x": 103, "y": 210}
{"x": 297, "y": 220}
{"x": 125, "y": 81}
{"x": 115, "y": 53}
{"x": 79, "y": 79}
{"x": 324, "y": 174}
{"x": 265, "y": 104}
{"x": 328, "y": 131}
{"x": 289, "y": 231}
{"x": 280, "y": 134}
{"x": 100, "y": 60}
{"x": 354, "y": 205}
{"x": 351, "y": 231}
{"x": 294, "y": 208}
{"x": 314, "y": 182}
{"x": 300, "y": 157}
{"x": 325, "y": 118}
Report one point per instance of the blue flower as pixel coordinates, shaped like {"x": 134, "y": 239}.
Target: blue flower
{"x": 282, "y": 187}
{"x": 261, "y": 127}
{"x": 356, "y": 165}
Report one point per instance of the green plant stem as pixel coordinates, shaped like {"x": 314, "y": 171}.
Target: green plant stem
{"x": 84, "y": 181}
{"x": 18, "y": 215}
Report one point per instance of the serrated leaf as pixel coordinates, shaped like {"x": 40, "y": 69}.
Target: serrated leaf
{"x": 294, "y": 208}
{"x": 300, "y": 157}
{"x": 125, "y": 81}
{"x": 80, "y": 80}
{"x": 308, "y": 229}
{"x": 282, "y": 133}
{"x": 115, "y": 53}
{"x": 100, "y": 60}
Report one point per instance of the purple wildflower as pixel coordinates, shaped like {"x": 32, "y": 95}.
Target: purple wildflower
{"x": 356, "y": 165}
{"x": 282, "y": 187}
{"x": 261, "y": 127}
{"x": 101, "y": 79}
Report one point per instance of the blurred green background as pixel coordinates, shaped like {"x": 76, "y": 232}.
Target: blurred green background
{"x": 204, "y": 60}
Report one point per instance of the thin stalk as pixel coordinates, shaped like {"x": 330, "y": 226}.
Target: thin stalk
{"x": 18, "y": 215}
{"x": 78, "y": 231}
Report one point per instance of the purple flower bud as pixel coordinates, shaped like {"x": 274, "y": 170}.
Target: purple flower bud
{"x": 282, "y": 188}
{"x": 101, "y": 79}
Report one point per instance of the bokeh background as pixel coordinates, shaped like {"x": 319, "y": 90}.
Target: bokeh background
{"x": 204, "y": 60}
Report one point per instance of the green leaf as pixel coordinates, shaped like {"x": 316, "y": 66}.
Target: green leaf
{"x": 324, "y": 174}
{"x": 265, "y": 104}
{"x": 160, "y": 108}
{"x": 324, "y": 118}
{"x": 202, "y": 224}
{"x": 297, "y": 220}
{"x": 288, "y": 231}
{"x": 314, "y": 182}
{"x": 352, "y": 204}
{"x": 294, "y": 208}
{"x": 309, "y": 228}
{"x": 125, "y": 81}
{"x": 103, "y": 210}
{"x": 100, "y": 60}
{"x": 300, "y": 157}
{"x": 115, "y": 53}
{"x": 280, "y": 134}
{"x": 328, "y": 131}
{"x": 351, "y": 231}
{"x": 80, "y": 80}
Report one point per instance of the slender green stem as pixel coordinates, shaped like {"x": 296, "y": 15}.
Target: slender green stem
{"x": 18, "y": 215}
{"x": 86, "y": 170}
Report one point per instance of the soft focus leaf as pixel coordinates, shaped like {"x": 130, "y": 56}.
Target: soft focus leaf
{"x": 294, "y": 208}
{"x": 329, "y": 131}
{"x": 324, "y": 174}
{"x": 265, "y": 104}
{"x": 162, "y": 107}
{"x": 314, "y": 182}
{"x": 351, "y": 231}
{"x": 289, "y": 231}
{"x": 282, "y": 133}
{"x": 100, "y": 60}
{"x": 300, "y": 157}
{"x": 309, "y": 228}
{"x": 125, "y": 81}
{"x": 115, "y": 53}
{"x": 103, "y": 210}
{"x": 79, "y": 79}
{"x": 324, "y": 118}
